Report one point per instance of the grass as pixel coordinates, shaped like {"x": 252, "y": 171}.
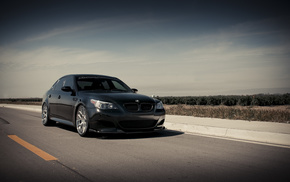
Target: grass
{"x": 251, "y": 113}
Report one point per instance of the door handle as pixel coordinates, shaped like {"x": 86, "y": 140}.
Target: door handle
{"x": 59, "y": 96}
{"x": 49, "y": 95}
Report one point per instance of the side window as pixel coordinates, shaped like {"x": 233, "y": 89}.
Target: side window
{"x": 54, "y": 85}
{"x": 60, "y": 84}
{"x": 69, "y": 82}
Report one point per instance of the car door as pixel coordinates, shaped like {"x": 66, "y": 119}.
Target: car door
{"x": 67, "y": 100}
{"x": 53, "y": 98}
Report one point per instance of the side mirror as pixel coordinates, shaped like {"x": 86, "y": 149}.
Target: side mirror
{"x": 134, "y": 90}
{"x": 66, "y": 89}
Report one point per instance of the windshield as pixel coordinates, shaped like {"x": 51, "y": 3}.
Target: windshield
{"x": 101, "y": 84}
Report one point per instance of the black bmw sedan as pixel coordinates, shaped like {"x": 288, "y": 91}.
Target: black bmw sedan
{"x": 101, "y": 103}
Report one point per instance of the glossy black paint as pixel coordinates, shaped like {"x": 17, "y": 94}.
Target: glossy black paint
{"x": 67, "y": 94}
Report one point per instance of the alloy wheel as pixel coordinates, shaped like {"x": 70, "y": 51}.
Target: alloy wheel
{"x": 82, "y": 121}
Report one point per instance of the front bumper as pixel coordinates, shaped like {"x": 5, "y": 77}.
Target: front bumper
{"x": 117, "y": 121}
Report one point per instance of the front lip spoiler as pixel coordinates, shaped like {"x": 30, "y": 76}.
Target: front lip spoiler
{"x": 118, "y": 131}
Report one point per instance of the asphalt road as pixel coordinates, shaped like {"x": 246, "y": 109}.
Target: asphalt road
{"x": 163, "y": 156}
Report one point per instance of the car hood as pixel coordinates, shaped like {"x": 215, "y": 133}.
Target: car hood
{"x": 120, "y": 98}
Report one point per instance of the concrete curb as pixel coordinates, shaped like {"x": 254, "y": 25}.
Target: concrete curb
{"x": 190, "y": 127}
{"x": 257, "y": 136}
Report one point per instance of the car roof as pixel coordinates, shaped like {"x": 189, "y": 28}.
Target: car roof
{"x": 90, "y": 75}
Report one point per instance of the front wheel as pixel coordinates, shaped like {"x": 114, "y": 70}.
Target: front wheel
{"x": 45, "y": 116}
{"x": 82, "y": 124}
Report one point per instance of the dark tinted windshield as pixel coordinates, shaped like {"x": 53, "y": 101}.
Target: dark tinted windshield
{"x": 101, "y": 84}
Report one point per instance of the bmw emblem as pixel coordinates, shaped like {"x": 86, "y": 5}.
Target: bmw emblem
{"x": 137, "y": 101}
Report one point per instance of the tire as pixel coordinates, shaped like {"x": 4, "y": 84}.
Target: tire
{"x": 45, "y": 116}
{"x": 82, "y": 124}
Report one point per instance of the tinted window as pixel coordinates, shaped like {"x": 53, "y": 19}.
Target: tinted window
{"x": 66, "y": 81}
{"x": 118, "y": 85}
{"x": 54, "y": 85}
{"x": 69, "y": 81}
{"x": 101, "y": 84}
{"x": 59, "y": 84}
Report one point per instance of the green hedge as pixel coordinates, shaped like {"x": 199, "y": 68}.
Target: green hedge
{"x": 231, "y": 100}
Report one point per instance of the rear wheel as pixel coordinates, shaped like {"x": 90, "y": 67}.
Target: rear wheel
{"x": 82, "y": 124}
{"x": 45, "y": 116}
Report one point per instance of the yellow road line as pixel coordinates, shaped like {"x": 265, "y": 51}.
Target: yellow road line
{"x": 32, "y": 148}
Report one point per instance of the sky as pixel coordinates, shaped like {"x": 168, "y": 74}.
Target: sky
{"x": 163, "y": 48}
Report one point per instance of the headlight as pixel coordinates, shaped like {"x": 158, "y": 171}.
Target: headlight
{"x": 103, "y": 105}
{"x": 159, "y": 105}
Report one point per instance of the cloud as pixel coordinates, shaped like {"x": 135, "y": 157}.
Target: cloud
{"x": 245, "y": 40}
{"x": 54, "y": 32}
{"x": 97, "y": 25}
{"x": 46, "y": 57}
{"x": 56, "y": 57}
{"x": 227, "y": 59}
